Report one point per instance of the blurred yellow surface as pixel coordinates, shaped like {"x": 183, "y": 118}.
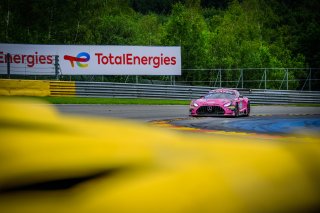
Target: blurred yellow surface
{"x": 55, "y": 163}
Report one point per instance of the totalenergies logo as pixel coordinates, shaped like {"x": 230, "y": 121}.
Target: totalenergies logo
{"x": 121, "y": 59}
{"x": 81, "y": 58}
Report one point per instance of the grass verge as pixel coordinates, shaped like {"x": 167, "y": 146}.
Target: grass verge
{"x": 88, "y": 100}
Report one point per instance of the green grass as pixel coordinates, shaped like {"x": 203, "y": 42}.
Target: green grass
{"x": 88, "y": 100}
{"x": 303, "y": 105}
{"x": 77, "y": 100}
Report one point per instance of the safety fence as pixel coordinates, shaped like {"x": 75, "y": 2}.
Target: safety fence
{"x": 130, "y": 90}
{"x": 104, "y": 89}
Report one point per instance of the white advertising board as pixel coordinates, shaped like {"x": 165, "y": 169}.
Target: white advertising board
{"x": 31, "y": 59}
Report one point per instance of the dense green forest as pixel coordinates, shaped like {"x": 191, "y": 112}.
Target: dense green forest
{"x": 212, "y": 34}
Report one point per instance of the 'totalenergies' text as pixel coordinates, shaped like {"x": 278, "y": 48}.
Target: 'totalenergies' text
{"x": 129, "y": 59}
{"x": 30, "y": 60}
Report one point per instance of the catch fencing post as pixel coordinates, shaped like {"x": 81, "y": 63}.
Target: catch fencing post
{"x": 56, "y": 66}
{"x": 265, "y": 78}
{"x": 220, "y": 76}
{"x": 310, "y": 77}
{"x": 287, "y": 73}
{"x": 8, "y": 65}
{"x": 172, "y": 80}
{"x": 242, "y": 78}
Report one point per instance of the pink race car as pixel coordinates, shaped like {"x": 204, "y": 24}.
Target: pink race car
{"x": 221, "y": 102}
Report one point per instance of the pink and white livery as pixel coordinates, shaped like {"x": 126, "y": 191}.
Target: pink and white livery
{"x": 221, "y": 102}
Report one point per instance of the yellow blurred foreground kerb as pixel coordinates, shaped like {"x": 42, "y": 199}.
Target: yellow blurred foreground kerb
{"x": 55, "y": 163}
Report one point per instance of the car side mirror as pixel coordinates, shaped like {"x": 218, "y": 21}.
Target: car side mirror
{"x": 201, "y": 97}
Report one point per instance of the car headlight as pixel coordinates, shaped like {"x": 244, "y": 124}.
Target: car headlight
{"x": 195, "y": 104}
{"x": 227, "y": 104}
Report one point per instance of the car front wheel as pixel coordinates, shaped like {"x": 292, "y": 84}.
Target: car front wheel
{"x": 248, "y": 109}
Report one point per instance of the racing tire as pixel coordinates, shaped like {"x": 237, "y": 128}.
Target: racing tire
{"x": 236, "y": 111}
{"x": 248, "y": 109}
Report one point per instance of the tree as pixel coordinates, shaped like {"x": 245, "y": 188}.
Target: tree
{"x": 187, "y": 28}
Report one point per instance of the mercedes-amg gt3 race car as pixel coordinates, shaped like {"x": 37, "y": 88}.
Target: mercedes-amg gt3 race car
{"x": 221, "y": 102}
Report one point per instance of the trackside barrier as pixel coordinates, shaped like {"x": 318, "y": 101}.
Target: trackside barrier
{"x": 259, "y": 96}
{"x": 123, "y": 90}
{"x": 62, "y": 88}
{"x": 12, "y": 87}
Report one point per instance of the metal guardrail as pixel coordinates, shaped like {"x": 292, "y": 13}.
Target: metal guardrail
{"x": 62, "y": 88}
{"x": 128, "y": 90}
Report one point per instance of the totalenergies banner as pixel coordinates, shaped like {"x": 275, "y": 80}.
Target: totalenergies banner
{"x": 90, "y": 59}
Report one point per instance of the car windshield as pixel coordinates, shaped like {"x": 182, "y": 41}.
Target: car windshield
{"x": 220, "y": 96}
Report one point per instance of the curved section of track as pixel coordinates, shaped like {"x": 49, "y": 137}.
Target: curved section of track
{"x": 263, "y": 119}
{"x": 256, "y": 124}
{"x": 286, "y": 124}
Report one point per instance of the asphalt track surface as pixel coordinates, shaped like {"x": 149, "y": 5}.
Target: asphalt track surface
{"x": 263, "y": 119}
{"x": 273, "y": 124}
